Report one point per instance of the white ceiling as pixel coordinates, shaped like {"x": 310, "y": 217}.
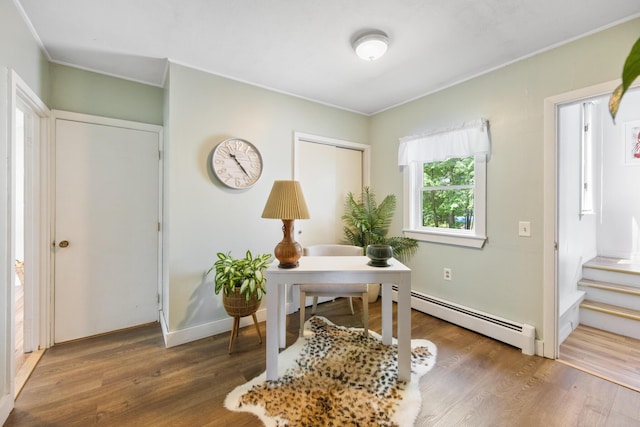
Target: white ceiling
{"x": 303, "y": 47}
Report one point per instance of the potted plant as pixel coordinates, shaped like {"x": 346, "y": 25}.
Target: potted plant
{"x": 241, "y": 281}
{"x": 367, "y": 223}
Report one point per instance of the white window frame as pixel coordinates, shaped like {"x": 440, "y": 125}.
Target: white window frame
{"x": 474, "y": 238}
{"x": 587, "y": 152}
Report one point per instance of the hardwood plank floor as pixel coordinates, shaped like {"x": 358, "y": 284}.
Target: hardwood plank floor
{"x": 130, "y": 379}
{"x": 19, "y": 356}
{"x": 24, "y": 362}
{"x": 610, "y": 356}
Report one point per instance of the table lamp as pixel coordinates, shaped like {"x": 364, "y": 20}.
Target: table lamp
{"x": 286, "y": 202}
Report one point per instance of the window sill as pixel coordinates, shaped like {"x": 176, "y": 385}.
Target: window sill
{"x": 466, "y": 240}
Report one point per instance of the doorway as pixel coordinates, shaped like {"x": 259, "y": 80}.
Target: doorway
{"x": 328, "y": 169}
{"x": 593, "y": 214}
{"x": 20, "y": 354}
{"x": 29, "y": 217}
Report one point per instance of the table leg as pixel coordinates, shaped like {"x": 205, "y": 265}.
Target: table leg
{"x": 404, "y": 331}
{"x": 387, "y": 314}
{"x": 272, "y": 332}
{"x": 282, "y": 314}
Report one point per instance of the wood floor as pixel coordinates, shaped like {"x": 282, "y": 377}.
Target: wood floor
{"x": 602, "y": 353}
{"x": 19, "y": 355}
{"x": 24, "y": 362}
{"x": 130, "y": 379}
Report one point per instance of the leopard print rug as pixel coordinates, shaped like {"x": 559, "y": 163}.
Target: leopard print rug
{"x": 335, "y": 376}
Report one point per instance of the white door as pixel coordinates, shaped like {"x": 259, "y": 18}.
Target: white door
{"x": 328, "y": 170}
{"x": 106, "y": 228}
{"x": 327, "y": 173}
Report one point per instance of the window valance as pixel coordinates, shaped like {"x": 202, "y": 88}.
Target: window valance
{"x": 466, "y": 140}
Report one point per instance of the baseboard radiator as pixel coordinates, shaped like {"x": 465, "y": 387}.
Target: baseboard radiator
{"x": 518, "y": 335}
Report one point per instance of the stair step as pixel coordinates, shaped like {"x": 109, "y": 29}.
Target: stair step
{"x": 614, "y": 264}
{"x": 612, "y": 270}
{"x": 612, "y": 287}
{"x": 613, "y": 310}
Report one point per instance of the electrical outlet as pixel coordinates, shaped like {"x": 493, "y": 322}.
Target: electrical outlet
{"x": 447, "y": 274}
{"x": 524, "y": 229}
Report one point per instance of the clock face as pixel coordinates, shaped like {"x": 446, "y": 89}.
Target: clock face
{"x": 237, "y": 163}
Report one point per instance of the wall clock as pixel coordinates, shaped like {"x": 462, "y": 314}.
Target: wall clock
{"x": 237, "y": 163}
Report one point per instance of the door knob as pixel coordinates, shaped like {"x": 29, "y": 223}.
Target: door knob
{"x": 64, "y": 244}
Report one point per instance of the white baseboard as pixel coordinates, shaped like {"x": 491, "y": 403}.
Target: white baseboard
{"x": 569, "y": 316}
{"x": 513, "y": 333}
{"x": 183, "y": 336}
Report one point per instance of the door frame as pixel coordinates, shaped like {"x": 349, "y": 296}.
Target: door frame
{"x": 299, "y": 137}
{"x": 37, "y": 224}
{"x": 127, "y": 124}
{"x": 37, "y": 219}
{"x": 550, "y": 315}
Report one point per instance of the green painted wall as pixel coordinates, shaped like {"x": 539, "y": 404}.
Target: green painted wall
{"x": 199, "y": 110}
{"x": 20, "y": 51}
{"x": 204, "y": 217}
{"x": 81, "y": 91}
{"x": 504, "y": 278}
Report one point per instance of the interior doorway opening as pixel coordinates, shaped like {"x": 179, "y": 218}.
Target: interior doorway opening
{"x": 29, "y": 216}
{"x": 597, "y": 236}
{"x": 20, "y": 355}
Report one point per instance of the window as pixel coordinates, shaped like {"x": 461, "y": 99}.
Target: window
{"x": 447, "y": 194}
{"x": 445, "y": 185}
{"x": 587, "y": 152}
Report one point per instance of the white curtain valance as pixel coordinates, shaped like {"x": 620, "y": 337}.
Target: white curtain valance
{"x": 463, "y": 141}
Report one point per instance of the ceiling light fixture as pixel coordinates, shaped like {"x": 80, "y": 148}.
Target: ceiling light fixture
{"x": 371, "y": 45}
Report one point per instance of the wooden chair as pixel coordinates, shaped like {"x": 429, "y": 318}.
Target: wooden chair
{"x": 333, "y": 289}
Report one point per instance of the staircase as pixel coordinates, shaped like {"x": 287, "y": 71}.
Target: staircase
{"x": 612, "y": 301}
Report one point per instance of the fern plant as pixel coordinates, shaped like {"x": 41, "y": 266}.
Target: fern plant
{"x": 366, "y": 222}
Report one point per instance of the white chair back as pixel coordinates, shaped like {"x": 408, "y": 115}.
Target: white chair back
{"x": 333, "y": 250}
{"x": 347, "y": 290}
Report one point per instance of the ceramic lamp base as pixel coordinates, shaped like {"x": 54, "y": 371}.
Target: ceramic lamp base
{"x": 288, "y": 251}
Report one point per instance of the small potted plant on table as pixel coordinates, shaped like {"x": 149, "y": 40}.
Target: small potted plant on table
{"x": 242, "y": 283}
{"x": 367, "y": 223}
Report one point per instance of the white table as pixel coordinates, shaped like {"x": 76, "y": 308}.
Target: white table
{"x": 340, "y": 269}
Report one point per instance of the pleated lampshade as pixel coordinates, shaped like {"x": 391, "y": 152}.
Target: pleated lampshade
{"x": 286, "y": 201}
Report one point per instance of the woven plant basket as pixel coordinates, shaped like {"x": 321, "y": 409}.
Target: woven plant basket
{"x": 237, "y": 306}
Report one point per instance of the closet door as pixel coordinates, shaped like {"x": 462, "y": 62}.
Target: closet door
{"x": 326, "y": 173}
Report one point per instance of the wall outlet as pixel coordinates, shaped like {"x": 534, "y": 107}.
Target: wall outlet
{"x": 447, "y": 274}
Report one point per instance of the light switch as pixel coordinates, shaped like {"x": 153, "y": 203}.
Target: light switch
{"x": 524, "y": 229}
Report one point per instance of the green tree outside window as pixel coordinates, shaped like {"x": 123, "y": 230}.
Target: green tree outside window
{"x": 447, "y": 194}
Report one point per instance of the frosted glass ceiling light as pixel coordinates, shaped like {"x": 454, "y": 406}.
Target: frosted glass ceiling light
{"x": 371, "y": 45}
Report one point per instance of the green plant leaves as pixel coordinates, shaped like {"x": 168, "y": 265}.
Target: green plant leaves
{"x": 630, "y": 72}
{"x": 367, "y": 222}
{"x": 243, "y": 273}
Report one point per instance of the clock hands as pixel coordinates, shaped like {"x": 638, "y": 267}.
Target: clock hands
{"x": 236, "y": 163}
{"x": 233, "y": 156}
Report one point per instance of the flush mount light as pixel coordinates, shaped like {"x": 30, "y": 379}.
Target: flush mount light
{"x": 371, "y": 45}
